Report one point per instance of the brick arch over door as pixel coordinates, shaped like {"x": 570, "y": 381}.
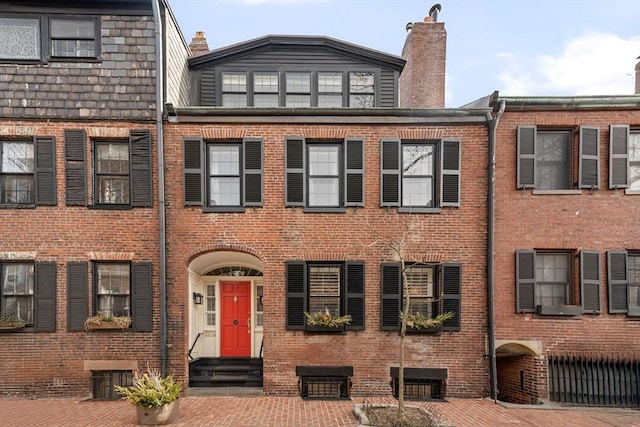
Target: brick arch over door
{"x": 203, "y": 259}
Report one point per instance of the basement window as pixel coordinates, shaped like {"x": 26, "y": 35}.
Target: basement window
{"x": 420, "y": 383}
{"x": 324, "y": 382}
{"x": 102, "y": 383}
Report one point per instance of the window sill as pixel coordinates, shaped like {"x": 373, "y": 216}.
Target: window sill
{"x": 111, "y": 207}
{"x": 631, "y": 192}
{"x": 411, "y": 210}
{"x": 556, "y": 192}
{"x": 220, "y": 209}
{"x": 324, "y": 210}
{"x": 18, "y": 206}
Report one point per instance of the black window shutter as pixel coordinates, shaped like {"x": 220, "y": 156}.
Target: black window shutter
{"x": 390, "y": 296}
{"x": 451, "y": 295}
{"x": 618, "y": 156}
{"x": 590, "y": 281}
{"x": 354, "y": 165}
{"x": 141, "y": 299}
{"x": 77, "y": 295}
{"x": 390, "y": 172}
{"x": 208, "y": 87}
{"x": 450, "y": 173}
{"x": 617, "y": 281}
{"x": 141, "y": 184}
{"x": 525, "y": 281}
{"x": 589, "y": 157}
{"x": 46, "y": 193}
{"x": 193, "y": 171}
{"x": 45, "y": 281}
{"x": 355, "y": 295}
{"x": 295, "y": 182}
{"x": 526, "y": 156}
{"x": 252, "y": 171}
{"x": 75, "y": 167}
{"x": 296, "y": 273}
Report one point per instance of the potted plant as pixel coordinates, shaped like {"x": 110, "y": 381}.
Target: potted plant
{"x": 11, "y": 322}
{"x": 154, "y": 396}
{"x": 418, "y": 323}
{"x": 102, "y": 321}
{"x": 324, "y": 321}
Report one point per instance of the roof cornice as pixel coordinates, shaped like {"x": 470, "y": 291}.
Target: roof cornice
{"x": 327, "y": 116}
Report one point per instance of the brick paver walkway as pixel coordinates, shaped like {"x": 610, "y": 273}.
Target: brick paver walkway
{"x": 267, "y": 411}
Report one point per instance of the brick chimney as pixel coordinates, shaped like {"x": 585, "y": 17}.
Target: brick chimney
{"x": 638, "y": 77}
{"x": 199, "y": 44}
{"x": 425, "y": 50}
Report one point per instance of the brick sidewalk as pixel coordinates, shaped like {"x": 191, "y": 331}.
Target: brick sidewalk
{"x": 267, "y": 411}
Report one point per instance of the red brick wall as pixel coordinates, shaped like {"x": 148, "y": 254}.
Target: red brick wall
{"x": 600, "y": 220}
{"x": 275, "y": 234}
{"x": 531, "y": 389}
{"x": 37, "y": 364}
{"x": 422, "y": 82}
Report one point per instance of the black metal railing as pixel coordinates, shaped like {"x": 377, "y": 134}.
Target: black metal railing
{"x": 594, "y": 381}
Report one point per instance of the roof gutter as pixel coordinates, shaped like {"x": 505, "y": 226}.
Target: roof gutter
{"x": 161, "y": 202}
{"x": 491, "y": 316}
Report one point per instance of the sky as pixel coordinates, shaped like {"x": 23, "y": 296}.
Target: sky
{"x": 517, "y": 47}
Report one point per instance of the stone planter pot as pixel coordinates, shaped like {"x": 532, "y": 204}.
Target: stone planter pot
{"x": 162, "y": 415}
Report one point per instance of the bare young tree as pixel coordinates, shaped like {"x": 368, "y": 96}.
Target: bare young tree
{"x": 397, "y": 245}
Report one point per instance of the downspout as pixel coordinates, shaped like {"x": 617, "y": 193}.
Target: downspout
{"x": 161, "y": 202}
{"x": 491, "y": 316}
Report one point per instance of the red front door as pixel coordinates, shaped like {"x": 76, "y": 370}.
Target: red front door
{"x": 236, "y": 312}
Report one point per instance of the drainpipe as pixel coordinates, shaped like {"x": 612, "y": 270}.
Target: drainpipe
{"x": 491, "y": 317}
{"x": 161, "y": 203}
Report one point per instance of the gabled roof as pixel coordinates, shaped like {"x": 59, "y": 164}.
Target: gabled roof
{"x": 269, "y": 42}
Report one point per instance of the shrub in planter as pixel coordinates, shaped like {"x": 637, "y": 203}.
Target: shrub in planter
{"x": 154, "y": 396}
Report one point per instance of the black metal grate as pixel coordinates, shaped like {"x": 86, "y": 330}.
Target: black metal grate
{"x": 593, "y": 381}
{"x": 419, "y": 389}
{"x": 324, "y": 387}
{"x": 102, "y": 383}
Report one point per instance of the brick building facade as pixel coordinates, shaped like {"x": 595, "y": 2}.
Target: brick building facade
{"x": 566, "y": 237}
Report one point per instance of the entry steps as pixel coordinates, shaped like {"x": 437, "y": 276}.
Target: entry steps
{"x": 225, "y": 372}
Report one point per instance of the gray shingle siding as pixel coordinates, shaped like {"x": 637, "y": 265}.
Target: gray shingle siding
{"x": 120, "y": 85}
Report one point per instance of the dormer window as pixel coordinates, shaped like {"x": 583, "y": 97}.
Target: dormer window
{"x": 297, "y": 89}
{"x": 361, "y": 90}
{"x": 234, "y": 89}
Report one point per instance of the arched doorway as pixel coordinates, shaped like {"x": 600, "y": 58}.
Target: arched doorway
{"x": 225, "y": 320}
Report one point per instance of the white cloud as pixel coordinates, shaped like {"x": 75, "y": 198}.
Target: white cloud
{"x": 593, "y": 64}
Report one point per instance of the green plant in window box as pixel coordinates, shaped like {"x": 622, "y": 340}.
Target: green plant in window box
{"x": 326, "y": 319}
{"x": 418, "y": 321}
{"x": 102, "y": 321}
{"x": 11, "y": 321}
{"x": 155, "y": 397}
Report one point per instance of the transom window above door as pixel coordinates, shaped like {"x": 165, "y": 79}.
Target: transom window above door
{"x": 298, "y": 89}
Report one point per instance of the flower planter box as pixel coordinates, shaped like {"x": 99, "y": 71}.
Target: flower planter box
{"x": 11, "y": 328}
{"x": 432, "y": 330}
{"x": 326, "y": 329}
{"x": 106, "y": 326}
